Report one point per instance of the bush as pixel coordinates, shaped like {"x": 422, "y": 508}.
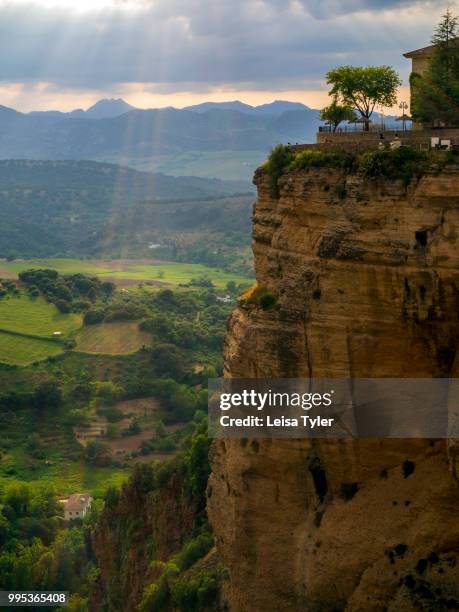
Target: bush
{"x": 280, "y": 157}
{"x": 98, "y": 453}
{"x": 198, "y": 463}
{"x": 165, "y": 444}
{"x": 112, "y": 430}
{"x": 108, "y": 392}
{"x": 133, "y": 428}
{"x": 81, "y": 305}
{"x": 260, "y": 296}
{"x": 111, "y": 413}
{"x": 194, "y": 550}
{"x": 168, "y": 359}
{"x": 195, "y": 593}
{"x": 315, "y": 158}
{"x": 156, "y": 595}
{"x": 403, "y": 164}
{"x": 93, "y": 316}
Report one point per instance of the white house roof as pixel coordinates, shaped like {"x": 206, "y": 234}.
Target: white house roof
{"x": 78, "y": 502}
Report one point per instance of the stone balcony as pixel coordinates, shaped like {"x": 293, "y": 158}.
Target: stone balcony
{"x": 357, "y": 140}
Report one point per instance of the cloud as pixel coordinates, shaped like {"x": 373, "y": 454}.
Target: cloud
{"x": 330, "y": 8}
{"x": 177, "y": 45}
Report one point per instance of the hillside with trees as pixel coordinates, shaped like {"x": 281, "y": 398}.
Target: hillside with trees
{"x": 90, "y": 209}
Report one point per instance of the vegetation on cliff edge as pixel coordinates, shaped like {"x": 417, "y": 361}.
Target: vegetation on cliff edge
{"x": 405, "y": 163}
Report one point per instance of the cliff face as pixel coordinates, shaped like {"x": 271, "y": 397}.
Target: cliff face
{"x": 366, "y": 275}
{"x": 144, "y": 525}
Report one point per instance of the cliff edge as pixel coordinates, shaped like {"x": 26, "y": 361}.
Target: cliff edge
{"x": 364, "y": 278}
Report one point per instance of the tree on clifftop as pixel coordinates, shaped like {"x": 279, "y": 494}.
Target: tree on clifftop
{"x": 364, "y": 88}
{"x": 435, "y": 94}
{"x": 335, "y": 113}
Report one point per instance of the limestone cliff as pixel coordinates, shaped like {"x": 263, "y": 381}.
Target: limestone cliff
{"x": 366, "y": 275}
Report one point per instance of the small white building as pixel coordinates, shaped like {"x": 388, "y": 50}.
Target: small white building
{"x": 226, "y": 299}
{"x": 76, "y": 506}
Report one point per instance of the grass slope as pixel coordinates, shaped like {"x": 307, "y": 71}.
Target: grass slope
{"x": 112, "y": 338}
{"x": 27, "y": 326}
{"x": 23, "y": 350}
{"x": 35, "y": 316}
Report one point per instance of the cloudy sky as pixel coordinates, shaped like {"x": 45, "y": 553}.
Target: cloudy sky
{"x": 64, "y": 54}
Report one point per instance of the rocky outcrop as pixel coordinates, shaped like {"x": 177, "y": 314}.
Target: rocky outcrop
{"x": 366, "y": 276}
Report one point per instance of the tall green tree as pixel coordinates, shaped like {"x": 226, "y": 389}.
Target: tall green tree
{"x": 445, "y": 33}
{"x": 435, "y": 94}
{"x": 364, "y": 88}
{"x": 336, "y": 113}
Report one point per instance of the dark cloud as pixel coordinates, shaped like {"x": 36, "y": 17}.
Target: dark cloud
{"x": 191, "y": 44}
{"x": 330, "y": 8}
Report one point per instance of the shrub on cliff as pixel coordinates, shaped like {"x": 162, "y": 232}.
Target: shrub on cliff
{"x": 315, "y": 158}
{"x": 259, "y": 296}
{"x": 403, "y": 164}
{"x": 281, "y": 156}
{"x": 195, "y": 549}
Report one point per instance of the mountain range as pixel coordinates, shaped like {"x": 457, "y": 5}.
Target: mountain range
{"x": 107, "y": 108}
{"x": 226, "y": 140}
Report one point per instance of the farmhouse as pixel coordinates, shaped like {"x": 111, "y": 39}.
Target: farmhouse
{"x": 76, "y": 506}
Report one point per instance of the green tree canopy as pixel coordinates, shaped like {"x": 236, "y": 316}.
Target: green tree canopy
{"x": 445, "y": 33}
{"x": 362, "y": 88}
{"x": 435, "y": 94}
{"x": 336, "y": 113}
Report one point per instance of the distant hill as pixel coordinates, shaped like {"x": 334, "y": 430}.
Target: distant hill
{"x": 103, "y": 109}
{"x": 108, "y": 108}
{"x": 232, "y": 105}
{"x": 86, "y": 208}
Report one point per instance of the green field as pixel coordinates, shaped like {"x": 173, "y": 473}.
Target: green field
{"x": 35, "y": 316}
{"x": 66, "y": 477}
{"x": 21, "y": 350}
{"x": 118, "y": 338}
{"x": 27, "y": 326}
{"x": 127, "y": 271}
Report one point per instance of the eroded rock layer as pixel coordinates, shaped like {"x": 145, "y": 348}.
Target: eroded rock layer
{"x": 366, "y": 276}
